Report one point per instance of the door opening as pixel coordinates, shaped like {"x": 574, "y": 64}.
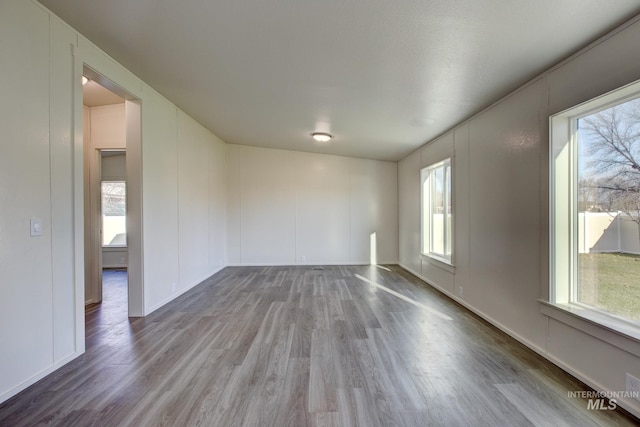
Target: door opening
{"x": 111, "y": 126}
{"x": 113, "y": 232}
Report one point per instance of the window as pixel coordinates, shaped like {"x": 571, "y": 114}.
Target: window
{"x": 114, "y": 214}
{"x": 436, "y": 211}
{"x": 595, "y": 207}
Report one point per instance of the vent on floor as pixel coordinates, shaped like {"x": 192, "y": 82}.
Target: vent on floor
{"x": 317, "y": 268}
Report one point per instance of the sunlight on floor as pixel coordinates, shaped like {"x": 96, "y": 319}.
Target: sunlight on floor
{"x": 405, "y": 298}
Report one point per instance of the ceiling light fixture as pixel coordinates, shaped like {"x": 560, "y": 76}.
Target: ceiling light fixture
{"x": 321, "y": 136}
{"x": 85, "y": 80}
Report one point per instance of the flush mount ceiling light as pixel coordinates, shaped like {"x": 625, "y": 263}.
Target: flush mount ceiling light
{"x": 321, "y": 136}
{"x": 85, "y": 80}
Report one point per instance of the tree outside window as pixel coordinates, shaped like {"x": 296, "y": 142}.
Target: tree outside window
{"x": 608, "y": 207}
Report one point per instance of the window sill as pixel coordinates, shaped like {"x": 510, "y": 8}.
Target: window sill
{"x": 114, "y": 248}
{"x": 439, "y": 262}
{"x": 618, "y": 333}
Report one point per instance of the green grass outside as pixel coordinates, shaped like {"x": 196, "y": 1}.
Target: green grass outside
{"x": 611, "y": 282}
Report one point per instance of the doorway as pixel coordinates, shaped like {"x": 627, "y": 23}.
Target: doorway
{"x": 111, "y": 127}
{"x": 113, "y": 231}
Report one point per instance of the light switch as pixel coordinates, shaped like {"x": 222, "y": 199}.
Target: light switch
{"x": 36, "y": 227}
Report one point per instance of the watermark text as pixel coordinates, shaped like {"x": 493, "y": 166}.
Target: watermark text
{"x": 602, "y": 400}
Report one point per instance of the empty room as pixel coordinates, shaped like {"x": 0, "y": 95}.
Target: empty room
{"x": 320, "y": 213}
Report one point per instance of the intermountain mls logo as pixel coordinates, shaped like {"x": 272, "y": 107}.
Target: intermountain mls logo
{"x": 603, "y": 400}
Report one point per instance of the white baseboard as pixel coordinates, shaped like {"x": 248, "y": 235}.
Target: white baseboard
{"x": 542, "y": 352}
{"x": 306, "y": 264}
{"x": 479, "y": 313}
{"x": 591, "y": 383}
{"x": 181, "y": 291}
{"x": 40, "y": 375}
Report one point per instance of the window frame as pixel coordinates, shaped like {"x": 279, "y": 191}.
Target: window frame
{"x": 561, "y": 302}
{"x": 427, "y": 203}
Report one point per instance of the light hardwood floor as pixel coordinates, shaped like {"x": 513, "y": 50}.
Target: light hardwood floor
{"x": 303, "y": 346}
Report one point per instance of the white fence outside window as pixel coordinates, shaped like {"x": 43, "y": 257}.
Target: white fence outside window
{"x": 607, "y": 232}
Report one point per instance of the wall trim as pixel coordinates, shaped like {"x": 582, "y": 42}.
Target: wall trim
{"x": 623, "y": 403}
{"x": 603, "y": 327}
{"x": 182, "y": 291}
{"x": 479, "y": 313}
{"x": 307, "y": 264}
{"x": 37, "y": 377}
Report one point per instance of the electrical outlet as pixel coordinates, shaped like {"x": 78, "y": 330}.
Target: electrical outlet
{"x": 303, "y": 258}
{"x": 173, "y": 287}
{"x": 460, "y": 291}
{"x": 633, "y": 386}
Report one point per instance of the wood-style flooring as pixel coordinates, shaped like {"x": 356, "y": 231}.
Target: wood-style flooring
{"x": 303, "y": 346}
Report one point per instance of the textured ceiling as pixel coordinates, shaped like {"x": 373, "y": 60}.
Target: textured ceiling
{"x": 383, "y": 77}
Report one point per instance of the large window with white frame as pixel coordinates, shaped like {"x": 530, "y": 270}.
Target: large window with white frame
{"x": 437, "y": 212}
{"x": 595, "y": 207}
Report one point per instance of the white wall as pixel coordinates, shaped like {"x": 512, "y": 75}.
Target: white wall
{"x": 184, "y": 201}
{"x": 41, "y": 176}
{"x": 27, "y": 301}
{"x": 501, "y": 167}
{"x": 289, "y": 208}
{"x": 108, "y": 127}
{"x": 199, "y": 182}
